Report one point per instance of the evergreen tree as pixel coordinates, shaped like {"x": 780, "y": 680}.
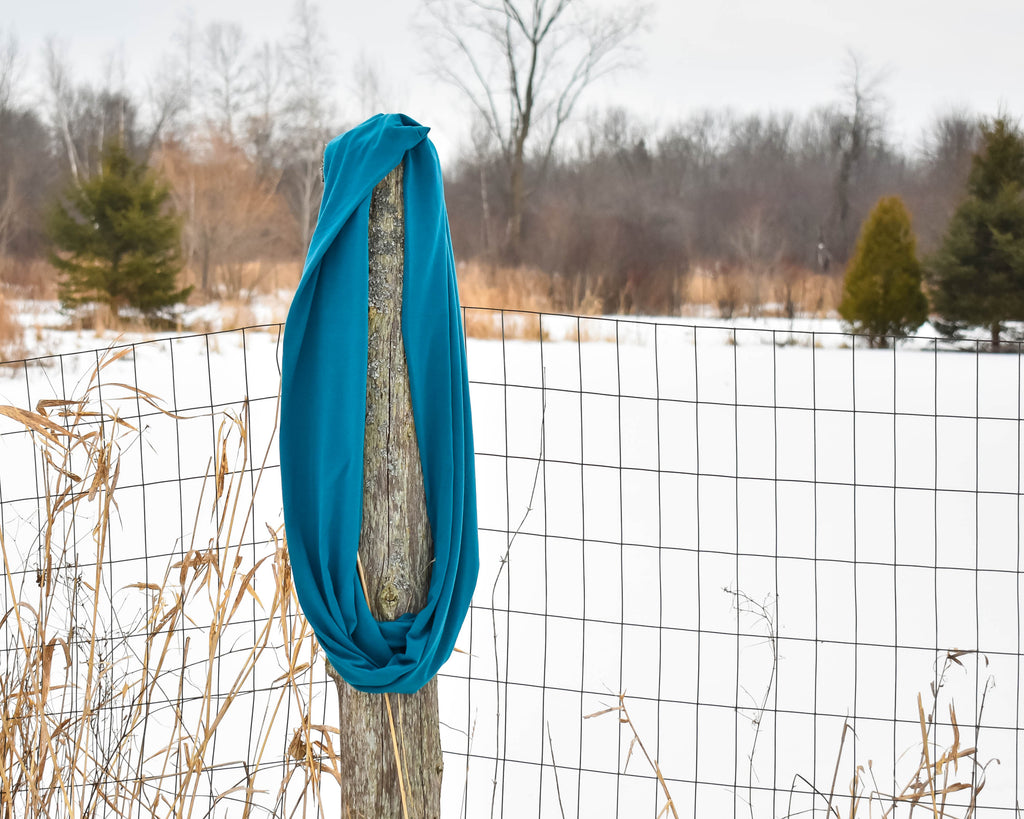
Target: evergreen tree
{"x": 882, "y": 293}
{"x": 977, "y": 274}
{"x": 116, "y": 240}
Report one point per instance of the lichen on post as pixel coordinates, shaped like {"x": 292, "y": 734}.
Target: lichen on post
{"x": 395, "y": 553}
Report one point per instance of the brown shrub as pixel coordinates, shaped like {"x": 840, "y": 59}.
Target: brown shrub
{"x": 79, "y": 711}
{"x": 235, "y": 221}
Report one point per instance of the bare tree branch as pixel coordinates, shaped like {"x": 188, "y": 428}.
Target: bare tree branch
{"x": 532, "y": 58}
{"x": 309, "y": 63}
{"x": 62, "y": 99}
{"x": 166, "y": 100}
{"x": 864, "y": 125}
{"x": 228, "y": 75}
{"x": 10, "y": 69}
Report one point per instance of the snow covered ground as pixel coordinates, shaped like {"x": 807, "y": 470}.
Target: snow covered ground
{"x": 755, "y": 532}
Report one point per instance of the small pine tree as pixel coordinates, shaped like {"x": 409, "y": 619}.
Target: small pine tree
{"x": 116, "y": 242}
{"x": 977, "y": 274}
{"x": 882, "y": 293}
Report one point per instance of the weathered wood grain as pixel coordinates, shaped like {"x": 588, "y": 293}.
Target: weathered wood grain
{"x": 395, "y": 549}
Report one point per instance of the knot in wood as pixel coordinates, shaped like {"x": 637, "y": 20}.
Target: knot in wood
{"x": 387, "y": 600}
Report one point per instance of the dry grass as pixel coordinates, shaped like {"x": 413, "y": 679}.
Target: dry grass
{"x": 237, "y": 314}
{"x": 12, "y": 334}
{"x": 945, "y": 766}
{"x": 634, "y": 743}
{"x": 241, "y": 281}
{"x": 787, "y": 291}
{"x": 516, "y": 289}
{"x": 719, "y": 289}
{"x": 113, "y": 697}
{"x": 506, "y": 324}
{"x": 29, "y": 278}
{"x": 98, "y": 318}
{"x": 521, "y": 292}
{"x": 523, "y": 288}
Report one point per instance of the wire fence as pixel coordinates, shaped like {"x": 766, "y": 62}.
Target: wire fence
{"x": 724, "y": 572}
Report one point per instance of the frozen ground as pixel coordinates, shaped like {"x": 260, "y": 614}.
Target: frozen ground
{"x": 868, "y": 500}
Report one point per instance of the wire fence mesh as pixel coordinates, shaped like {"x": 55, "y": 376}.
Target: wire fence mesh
{"x": 725, "y": 572}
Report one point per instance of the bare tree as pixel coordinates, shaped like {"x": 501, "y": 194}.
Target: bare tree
{"x": 9, "y": 199}
{"x": 62, "y": 101}
{"x": 178, "y": 77}
{"x": 368, "y": 87}
{"x": 759, "y": 252}
{"x": 523, "y": 67}
{"x": 227, "y": 82}
{"x": 26, "y": 160}
{"x": 945, "y": 152}
{"x": 114, "y": 94}
{"x": 865, "y": 123}
{"x": 262, "y": 126}
{"x": 84, "y": 118}
{"x": 309, "y": 70}
{"x": 165, "y": 96}
{"x": 952, "y": 138}
{"x": 10, "y": 69}
{"x": 10, "y": 202}
{"x": 238, "y": 222}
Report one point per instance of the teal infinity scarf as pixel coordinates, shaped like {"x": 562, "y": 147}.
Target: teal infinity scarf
{"x": 323, "y": 407}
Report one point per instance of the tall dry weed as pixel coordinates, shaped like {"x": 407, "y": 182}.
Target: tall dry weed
{"x": 945, "y": 783}
{"x": 126, "y": 698}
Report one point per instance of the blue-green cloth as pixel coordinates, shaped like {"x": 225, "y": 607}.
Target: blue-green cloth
{"x": 323, "y": 410}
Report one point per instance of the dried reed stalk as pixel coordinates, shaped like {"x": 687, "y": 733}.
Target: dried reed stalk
{"x": 937, "y": 775}
{"x": 112, "y": 697}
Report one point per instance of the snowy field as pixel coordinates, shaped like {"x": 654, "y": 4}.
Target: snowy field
{"x": 757, "y": 534}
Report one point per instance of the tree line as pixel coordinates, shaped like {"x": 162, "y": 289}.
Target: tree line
{"x": 593, "y": 200}
{"x": 633, "y": 210}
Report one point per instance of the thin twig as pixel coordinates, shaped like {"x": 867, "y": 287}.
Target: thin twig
{"x": 744, "y": 603}
{"x": 554, "y": 768}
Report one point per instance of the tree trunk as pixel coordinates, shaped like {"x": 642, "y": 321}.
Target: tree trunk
{"x": 517, "y": 200}
{"x": 485, "y": 210}
{"x": 396, "y": 552}
{"x": 312, "y": 171}
{"x": 204, "y": 277}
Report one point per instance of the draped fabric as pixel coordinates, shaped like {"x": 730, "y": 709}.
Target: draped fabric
{"x": 323, "y": 407}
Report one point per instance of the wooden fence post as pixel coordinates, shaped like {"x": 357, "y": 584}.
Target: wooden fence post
{"x": 390, "y": 748}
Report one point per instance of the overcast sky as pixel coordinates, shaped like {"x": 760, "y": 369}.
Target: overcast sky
{"x": 750, "y": 55}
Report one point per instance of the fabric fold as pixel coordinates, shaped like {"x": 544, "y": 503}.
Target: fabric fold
{"x": 323, "y": 408}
